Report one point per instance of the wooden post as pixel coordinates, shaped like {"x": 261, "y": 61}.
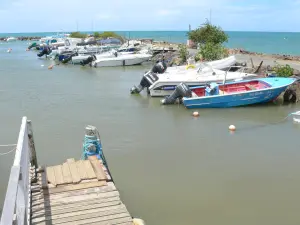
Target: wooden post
{"x": 31, "y": 145}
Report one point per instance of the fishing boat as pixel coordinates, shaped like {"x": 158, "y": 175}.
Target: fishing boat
{"x": 163, "y": 83}
{"x": 256, "y": 91}
{"x": 117, "y": 59}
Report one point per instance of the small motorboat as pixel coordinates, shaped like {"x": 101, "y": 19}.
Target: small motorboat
{"x": 256, "y": 91}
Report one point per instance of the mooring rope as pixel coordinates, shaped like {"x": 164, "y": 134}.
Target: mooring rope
{"x": 5, "y": 153}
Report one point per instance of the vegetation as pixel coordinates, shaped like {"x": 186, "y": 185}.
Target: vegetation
{"x": 78, "y": 35}
{"x": 107, "y": 34}
{"x": 97, "y": 35}
{"x": 283, "y": 71}
{"x": 183, "y": 52}
{"x": 210, "y": 39}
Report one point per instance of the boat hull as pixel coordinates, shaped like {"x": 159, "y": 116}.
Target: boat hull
{"x": 167, "y": 88}
{"x": 235, "y": 99}
{"x": 120, "y": 62}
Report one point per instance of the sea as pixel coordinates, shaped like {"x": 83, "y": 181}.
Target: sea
{"x": 263, "y": 42}
{"x": 171, "y": 168}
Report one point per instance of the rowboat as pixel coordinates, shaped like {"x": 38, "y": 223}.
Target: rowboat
{"x": 256, "y": 91}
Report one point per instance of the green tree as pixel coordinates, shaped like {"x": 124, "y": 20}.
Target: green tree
{"x": 208, "y": 33}
{"x": 210, "y": 39}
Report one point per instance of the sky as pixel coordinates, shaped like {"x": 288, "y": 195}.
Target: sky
{"x": 130, "y": 15}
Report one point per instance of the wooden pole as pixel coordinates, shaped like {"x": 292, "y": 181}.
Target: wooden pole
{"x": 31, "y": 144}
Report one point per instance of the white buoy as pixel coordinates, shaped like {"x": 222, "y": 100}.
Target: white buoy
{"x": 42, "y": 65}
{"x": 137, "y": 221}
{"x": 9, "y": 50}
{"x": 232, "y": 128}
{"x": 195, "y": 114}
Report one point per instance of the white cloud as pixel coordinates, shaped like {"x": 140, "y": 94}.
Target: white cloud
{"x": 168, "y": 12}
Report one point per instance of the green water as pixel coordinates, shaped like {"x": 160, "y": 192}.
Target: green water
{"x": 171, "y": 168}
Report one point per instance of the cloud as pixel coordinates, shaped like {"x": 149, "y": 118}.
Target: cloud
{"x": 168, "y": 12}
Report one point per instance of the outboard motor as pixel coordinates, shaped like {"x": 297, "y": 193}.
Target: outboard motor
{"x": 46, "y": 51}
{"x": 182, "y": 90}
{"x": 68, "y": 58}
{"x": 150, "y": 77}
{"x": 89, "y": 60}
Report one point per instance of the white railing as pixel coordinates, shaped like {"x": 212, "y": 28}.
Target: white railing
{"x": 16, "y": 208}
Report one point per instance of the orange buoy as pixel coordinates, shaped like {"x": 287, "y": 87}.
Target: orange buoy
{"x": 50, "y": 67}
{"x": 232, "y": 128}
{"x": 195, "y": 114}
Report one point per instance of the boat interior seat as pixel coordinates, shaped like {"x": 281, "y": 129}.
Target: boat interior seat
{"x": 194, "y": 94}
{"x": 222, "y": 92}
{"x": 251, "y": 87}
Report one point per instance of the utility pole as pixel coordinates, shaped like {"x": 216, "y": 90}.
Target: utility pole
{"x": 210, "y": 16}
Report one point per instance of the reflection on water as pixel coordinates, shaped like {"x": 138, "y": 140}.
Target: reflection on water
{"x": 170, "y": 167}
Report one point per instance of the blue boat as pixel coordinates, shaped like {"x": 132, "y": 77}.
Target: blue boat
{"x": 256, "y": 91}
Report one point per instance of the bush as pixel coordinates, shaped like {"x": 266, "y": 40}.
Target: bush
{"x": 183, "y": 52}
{"x": 284, "y": 71}
{"x": 78, "y": 35}
{"x": 108, "y": 34}
{"x": 208, "y": 33}
{"x": 211, "y": 51}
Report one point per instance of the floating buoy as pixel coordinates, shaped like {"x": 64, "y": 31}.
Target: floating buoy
{"x": 50, "y": 67}
{"x": 232, "y": 128}
{"x": 42, "y": 65}
{"x": 9, "y": 50}
{"x": 137, "y": 221}
{"x": 195, "y": 114}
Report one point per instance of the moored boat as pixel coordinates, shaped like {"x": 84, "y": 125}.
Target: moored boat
{"x": 256, "y": 91}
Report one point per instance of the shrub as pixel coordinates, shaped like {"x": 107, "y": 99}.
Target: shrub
{"x": 284, "y": 71}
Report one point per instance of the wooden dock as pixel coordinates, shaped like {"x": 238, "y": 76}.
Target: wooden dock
{"x": 72, "y": 193}
{"x": 77, "y": 192}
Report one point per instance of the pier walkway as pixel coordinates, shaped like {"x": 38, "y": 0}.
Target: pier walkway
{"x": 72, "y": 193}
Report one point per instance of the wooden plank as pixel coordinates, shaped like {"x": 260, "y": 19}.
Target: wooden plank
{"x": 81, "y": 170}
{"x": 62, "y": 212}
{"x": 58, "y": 196}
{"x": 83, "y": 214}
{"x": 66, "y": 173}
{"x": 105, "y": 220}
{"x": 98, "y": 169}
{"x": 74, "y": 172}
{"x": 59, "y": 179}
{"x": 89, "y": 169}
{"x": 50, "y": 175}
{"x": 77, "y": 187}
{"x": 44, "y": 179}
{"x": 41, "y": 203}
{"x": 55, "y": 208}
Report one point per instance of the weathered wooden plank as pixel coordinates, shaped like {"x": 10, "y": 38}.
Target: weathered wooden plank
{"x": 89, "y": 169}
{"x": 119, "y": 221}
{"x": 41, "y": 203}
{"x": 74, "y": 172}
{"x": 72, "y": 204}
{"x": 110, "y": 187}
{"x": 51, "y": 175}
{"x": 77, "y": 187}
{"x": 82, "y": 214}
{"x": 59, "y": 179}
{"x": 54, "y": 212}
{"x": 66, "y": 173}
{"x": 98, "y": 169}
{"x": 44, "y": 179}
{"x": 81, "y": 170}
{"x": 105, "y": 220}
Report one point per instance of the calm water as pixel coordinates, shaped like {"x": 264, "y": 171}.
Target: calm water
{"x": 171, "y": 168}
{"x": 266, "y": 42}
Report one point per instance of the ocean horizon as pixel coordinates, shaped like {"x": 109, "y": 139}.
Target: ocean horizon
{"x": 262, "y": 42}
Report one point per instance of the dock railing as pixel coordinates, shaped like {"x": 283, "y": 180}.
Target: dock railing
{"x": 16, "y": 208}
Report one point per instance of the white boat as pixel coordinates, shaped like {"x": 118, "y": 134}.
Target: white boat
{"x": 10, "y": 39}
{"x": 110, "y": 54}
{"x": 122, "y": 60}
{"x": 164, "y": 84}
